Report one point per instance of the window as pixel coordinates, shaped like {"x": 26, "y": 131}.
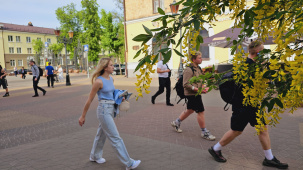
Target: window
{"x": 156, "y": 48}
{"x": 11, "y": 50}
{"x": 18, "y": 39}
{"x": 20, "y": 62}
{"x": 204, "y": 49}
{"x": 28, "y": 39}
{"x": 41, "y": 62}
{"x": 10, "y": 38}
{"x": 49, "y": 40}
{"x": 29, "y": 50}
{"x": 157, "y": 4}
{"x": 19, "y": 50}
{"x": 39, "y": 39}
{"x": 13, "y": 64}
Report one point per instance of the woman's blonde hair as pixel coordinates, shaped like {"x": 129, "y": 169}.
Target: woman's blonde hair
{"x": 195, "y": 55}
{"x": 102, "y": 64}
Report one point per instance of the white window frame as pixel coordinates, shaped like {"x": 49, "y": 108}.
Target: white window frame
{"x": 157, "y": 4}
{"x": 28, "y": 39}
{"x": 18, "y": 50}
{"x": 21, "y": 63}
{"x": 38, "y": 38}
{"x": 18, "y": 38}
{"x": 10, "y": 38}
{"x": 13, "y": 63}
{"x": 49, "y": 40}
{"x": 11, "y": 50}
{"x": 41, "y": 62}
{"x": 29, "y": 49}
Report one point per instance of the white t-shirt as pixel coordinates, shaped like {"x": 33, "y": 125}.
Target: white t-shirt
{"x": 162, "y": 67}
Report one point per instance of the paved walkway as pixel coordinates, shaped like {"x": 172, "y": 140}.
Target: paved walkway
{"x": 43, "y": 133}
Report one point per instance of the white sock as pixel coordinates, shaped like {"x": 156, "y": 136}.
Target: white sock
{"x": 268, "y": 154}
{"x": 217, "y": 147}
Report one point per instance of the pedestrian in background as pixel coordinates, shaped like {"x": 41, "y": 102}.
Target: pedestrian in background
{"x": 164, "y": 74}
{"x": 103, "y": 85}
{"x": 3, "y": 81}
{"x": 60, "y": 71}
{"x": 36, "y": 78}
{"x": 49, "y": 70}
{"x": 194, "y": 102}
{"x": 23, "y": 72}
{"x": 15, "y": 71}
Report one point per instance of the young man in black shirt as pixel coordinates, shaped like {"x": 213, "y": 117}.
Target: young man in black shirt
{"x": 241, "y": 116}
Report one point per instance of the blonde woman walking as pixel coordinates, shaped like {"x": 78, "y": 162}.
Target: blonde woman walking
{"x": 103, "y": 85}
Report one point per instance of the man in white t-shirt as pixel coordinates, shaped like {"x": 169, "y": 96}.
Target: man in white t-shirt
{"x": 164, "y": 82}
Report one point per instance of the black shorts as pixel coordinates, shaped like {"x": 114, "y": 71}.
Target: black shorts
{"x": 3, "y": 83}
{"x": 241, "y": 117}
{"x": 195, "y": 103}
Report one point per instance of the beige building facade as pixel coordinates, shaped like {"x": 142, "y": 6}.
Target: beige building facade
{"x": 138, "y": 13}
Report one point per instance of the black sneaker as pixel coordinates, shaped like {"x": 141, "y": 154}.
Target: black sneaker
{"x": 44, "y": 92}
{"x": 169, "y": 104}
{"x": 6, "y": 95}
{"x": 275, "y": 163}
{"x": 217, "y": 155}
{"x": 35, "y": 96}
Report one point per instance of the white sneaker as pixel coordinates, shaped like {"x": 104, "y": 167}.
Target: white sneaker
{"x": 176, "y": 126}
{"x": 208, "y": 136}
{"x": 99, "y": 161}
{"x": 135, "y": 164}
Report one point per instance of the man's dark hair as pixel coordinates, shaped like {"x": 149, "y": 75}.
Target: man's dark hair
{"x": 33, "y": 61}
{"x": 49, "y": 63}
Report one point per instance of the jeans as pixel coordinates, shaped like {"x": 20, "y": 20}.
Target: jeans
{"x": 107, "y": 129}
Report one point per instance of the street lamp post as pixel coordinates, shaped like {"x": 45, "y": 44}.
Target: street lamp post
{"x": 65, "y": 41}
{"x": 174, "y": 10}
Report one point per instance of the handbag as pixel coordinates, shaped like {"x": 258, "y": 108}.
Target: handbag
{"x": 124, "y": 106}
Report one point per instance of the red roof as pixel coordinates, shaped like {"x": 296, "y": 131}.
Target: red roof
{"x": 26, "y": 28}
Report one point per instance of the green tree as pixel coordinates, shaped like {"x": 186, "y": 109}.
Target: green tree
{"x": 56, "y": 49}
{"x": 92, "y": 28}
{"x": 38, "y": 47}
{"x": 112, "y": 38}
{"x": 70, "y": 19}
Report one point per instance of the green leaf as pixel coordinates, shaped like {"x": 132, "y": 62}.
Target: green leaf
{"x": 157, "y": 29}
{"x": 197, "y": 25}
{"x": 140, "y": 64}
{"x": 160, "y": 11}
{"x": 178, "y": 53}
{"x": 142, "y": 37}
{"x": 167, "y": 57}
{"x": 155, "y": 59}
{"x": 147, "y": 30}
{"x": 228, "y": 39}
{"x": 163, "y": 50}
{"x": 147, "y": 59}
{"x": 137, "y": 54}
{"x": 164, "y": 23}
{"x": 157, "y": 19}
{"x": 271, "y": 105}
{"x": 279, "y": 103}
{"x": 199, "y": 39}
{"x": 173, "y": 41}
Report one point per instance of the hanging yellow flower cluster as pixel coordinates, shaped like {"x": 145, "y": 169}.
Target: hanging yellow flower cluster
{"x": 143, "y": 79}
{"x": 283, "y": 70}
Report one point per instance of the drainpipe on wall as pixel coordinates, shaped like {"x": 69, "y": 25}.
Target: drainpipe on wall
{"x": 125, "y": 37}
{"x": 2, "y": 27}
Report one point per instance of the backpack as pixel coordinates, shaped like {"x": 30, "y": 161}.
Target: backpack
{"x": 227, "y": 89}
{"x": 180, "y": 89}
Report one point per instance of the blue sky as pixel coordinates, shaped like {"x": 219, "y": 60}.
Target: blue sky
{"x": 40, "y": 12}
